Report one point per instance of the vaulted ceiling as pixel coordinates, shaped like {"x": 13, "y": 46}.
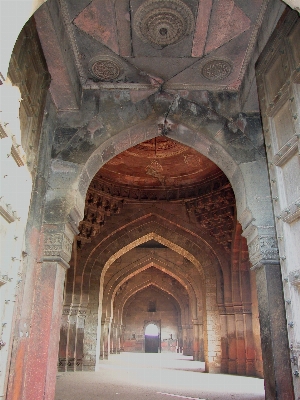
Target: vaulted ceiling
{"x": 179, "y": 46}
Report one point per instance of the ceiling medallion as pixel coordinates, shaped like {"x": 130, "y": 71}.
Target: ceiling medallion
{"x": 163, "y": 22}
{"x": 105, "y": 68}
{"x": 216, "y": 70}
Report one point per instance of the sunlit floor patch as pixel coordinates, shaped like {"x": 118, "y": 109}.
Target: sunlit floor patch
{"x": 159, "y": 376}
{"x": 181, "y": 397}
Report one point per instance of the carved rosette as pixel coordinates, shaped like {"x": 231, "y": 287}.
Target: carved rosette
{"x": 105, "y": 68}
{"x": 216, "y": 69}
{"x": 163, "y": 22}
{"x": 58, "y": 243}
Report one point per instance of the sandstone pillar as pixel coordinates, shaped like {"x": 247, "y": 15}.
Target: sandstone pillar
{"x": 105, "y": 339}
{"x": 122, "y": 333}
{"x": 118, "y": 333}
{"x": 78, "y": 355}
{"x": 231, "y": 334}
{"x": 41, "y": 349}
{"x": 185, "y": 340}
{"x": 180, "y": 341}
{"x": 273, "y": 325}
{"x": 224, "y": 340}
{"x": 198, "y": 351}
{"x": 63, "y": 341}
{"x": 240, "y": 342}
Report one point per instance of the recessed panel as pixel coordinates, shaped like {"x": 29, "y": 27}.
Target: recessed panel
{"x": 284, "y": 125}
{"x": 275, "y": 77}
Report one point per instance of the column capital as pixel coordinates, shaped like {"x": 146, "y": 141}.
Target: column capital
{"x": 262, "y": 245}
{"x": 58, "y": 239}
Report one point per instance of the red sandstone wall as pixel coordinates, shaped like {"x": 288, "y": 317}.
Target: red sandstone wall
{"x": 136, "y": 313}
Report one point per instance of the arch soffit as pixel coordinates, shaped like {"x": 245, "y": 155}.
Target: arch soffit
{"x": 192, "y": 232}
{"x": 140, "y": 264}
{"x": 242, "y": 175}
{"x": 147, "y": 228}
{"x": 109, "y": 295}
{"x": 144, "y": 285}
{"x": 151, "y": 231}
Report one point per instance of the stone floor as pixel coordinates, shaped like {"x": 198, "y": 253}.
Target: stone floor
{"x": 133, "y": 376}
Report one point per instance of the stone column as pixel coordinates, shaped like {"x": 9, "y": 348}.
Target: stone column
{"x": 180, "y": 344}
{"x": 118, "y": 335}
{"x": 42, "y": 347}
{"x": 198, "y": 351}
{"x": 79, "y": 339}
{"x": 122, "y": 332}
{"x": 105, "y": 339}
{"x": 63, "y": 341}
{"x": 185, "y": 340}
{"x": 240, "y": 341}
{"x": 273, "y": 325}
{"x": 72, "y": 338}
{"x": 224, "y": 340}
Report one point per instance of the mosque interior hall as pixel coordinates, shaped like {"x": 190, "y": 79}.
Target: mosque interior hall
{"x": 149, "y": 197}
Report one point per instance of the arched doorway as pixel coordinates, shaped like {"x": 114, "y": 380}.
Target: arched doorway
{"x": 152, "y": 338}
{"x": 58, "y": 235}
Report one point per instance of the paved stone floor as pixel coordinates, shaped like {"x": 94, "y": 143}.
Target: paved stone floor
{"x": 133, "y": 376}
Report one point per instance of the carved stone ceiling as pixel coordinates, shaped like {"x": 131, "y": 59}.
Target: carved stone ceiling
{"x": 182, "y": 44}
{"x": 158, "y": 162}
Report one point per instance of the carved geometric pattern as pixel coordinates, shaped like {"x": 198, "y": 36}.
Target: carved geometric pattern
{"x": 163, "y": 22}
{"x": 216, "y": 70}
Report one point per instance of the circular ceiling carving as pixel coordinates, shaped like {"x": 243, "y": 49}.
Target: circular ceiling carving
{"x": 216, "y": 70}
{"x": 105, "y": 69}
{"x": 159, "y": 162}
{"x": 163, "y": 22}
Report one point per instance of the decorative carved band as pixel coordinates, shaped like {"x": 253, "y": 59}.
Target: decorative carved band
{"x": 149, "y": 194}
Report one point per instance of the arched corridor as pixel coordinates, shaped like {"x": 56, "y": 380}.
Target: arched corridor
{"x": 144, "y": 243}
{"x": 150, "y": 154}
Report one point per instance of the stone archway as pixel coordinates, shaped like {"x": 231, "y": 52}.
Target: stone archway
{"x": 63, "y": 212}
